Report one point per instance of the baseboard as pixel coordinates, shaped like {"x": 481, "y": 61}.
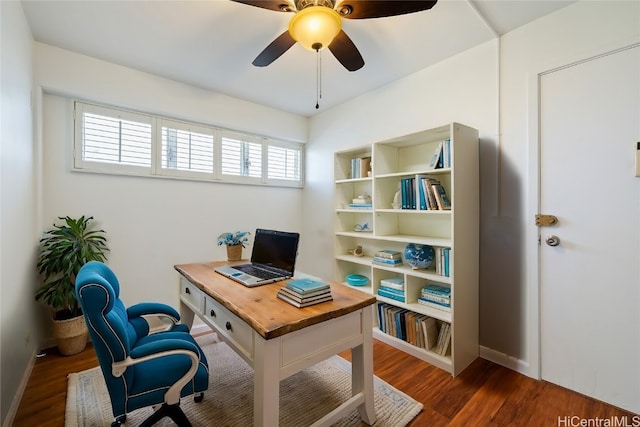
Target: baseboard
{"x": 15, "y": 403}
{"x": 505, "y": 360}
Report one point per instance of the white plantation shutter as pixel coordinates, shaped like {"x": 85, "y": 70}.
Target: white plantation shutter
{"x": 122, "y": 139}
{"x": 284, "y": 163}
{"x": 241, "y": 155}
{"x": 111, "y": 140}
{"x": 186, "y": 149}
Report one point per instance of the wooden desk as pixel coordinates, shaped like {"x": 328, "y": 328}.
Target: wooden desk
{"x": 278, "y": 339}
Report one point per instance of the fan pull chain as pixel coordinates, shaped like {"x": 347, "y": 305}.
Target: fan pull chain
{"x": 318, "y": 78}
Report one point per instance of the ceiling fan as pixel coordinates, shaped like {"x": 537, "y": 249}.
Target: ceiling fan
{"x": 317, "y": 24}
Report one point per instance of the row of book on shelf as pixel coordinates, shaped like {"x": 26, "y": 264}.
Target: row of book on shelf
{"x": 415, "y": 328}
{"x": 305, "y": 292}
{"x": 423, "y": 192}
{"x": 435, "y": 296}
{"x": 360, "y": 167}
{"x": 391, "y": 258}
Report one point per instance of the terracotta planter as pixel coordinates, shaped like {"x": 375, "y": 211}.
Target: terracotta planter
{"x": 71, "y": 335}
{"x": 234, "y": 252}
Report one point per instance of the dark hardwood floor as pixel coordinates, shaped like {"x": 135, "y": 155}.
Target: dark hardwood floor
{"x": 484, "y": 394}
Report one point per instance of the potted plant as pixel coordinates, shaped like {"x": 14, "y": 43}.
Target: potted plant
{"x": 63, "y": 251}
{"x": 235, "y": 242}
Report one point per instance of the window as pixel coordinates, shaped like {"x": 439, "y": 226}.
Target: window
{"x": 186, "y": 148}
{"x": 123, "y": 142}
{"x": 241, "y": 156}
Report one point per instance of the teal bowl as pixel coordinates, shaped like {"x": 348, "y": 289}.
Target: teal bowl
{"x": 357, "y": 280}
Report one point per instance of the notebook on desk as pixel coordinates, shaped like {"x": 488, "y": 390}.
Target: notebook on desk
{"x": 273, "y": 258}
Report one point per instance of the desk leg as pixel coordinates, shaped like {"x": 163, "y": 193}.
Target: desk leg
{"x": 186, "y": 314}
{"x": 266, "y": 386}
{"x": 362, "y": 368}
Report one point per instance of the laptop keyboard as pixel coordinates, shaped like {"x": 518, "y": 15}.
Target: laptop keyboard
{"x": 258, "y": 272}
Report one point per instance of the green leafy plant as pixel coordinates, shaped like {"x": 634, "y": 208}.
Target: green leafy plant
{"x": 63, "y": 251}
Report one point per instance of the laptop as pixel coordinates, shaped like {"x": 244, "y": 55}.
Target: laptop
{"x": 273, "y": 258}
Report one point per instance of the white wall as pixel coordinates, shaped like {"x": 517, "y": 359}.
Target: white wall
{"x": 18, "y": 208}
{"x": 154, "y": 223}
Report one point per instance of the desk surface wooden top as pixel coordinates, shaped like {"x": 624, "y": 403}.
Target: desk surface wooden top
{"x": 261, "y": 309}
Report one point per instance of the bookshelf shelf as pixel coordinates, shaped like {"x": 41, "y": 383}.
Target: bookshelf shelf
{"x": 391, "y": 165}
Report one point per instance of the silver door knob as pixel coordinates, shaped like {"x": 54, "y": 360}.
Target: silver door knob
{"x": 553, "y": 240}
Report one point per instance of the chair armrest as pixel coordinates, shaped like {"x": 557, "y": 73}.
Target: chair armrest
{"x": 154, "y": 350}
{"x": 155, "y": 309}
{"x": 158, "y": 349}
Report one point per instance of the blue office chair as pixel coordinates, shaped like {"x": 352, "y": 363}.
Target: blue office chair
{"x": 140, "y": 369}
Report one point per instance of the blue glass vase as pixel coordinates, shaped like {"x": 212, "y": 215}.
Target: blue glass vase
{"x": 419, "y": 256}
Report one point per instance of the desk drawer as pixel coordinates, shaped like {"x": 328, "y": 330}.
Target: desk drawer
{"x": 190, "y": 294}
{"x": 231, "y": 327}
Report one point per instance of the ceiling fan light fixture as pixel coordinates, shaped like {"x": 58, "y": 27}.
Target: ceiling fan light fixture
{"x": 315, "y": 27}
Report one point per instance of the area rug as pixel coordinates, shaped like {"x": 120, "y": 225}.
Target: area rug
{"x": 304, "y": 397}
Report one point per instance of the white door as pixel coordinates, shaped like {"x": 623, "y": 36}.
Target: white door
{"x": 590, "y": 281}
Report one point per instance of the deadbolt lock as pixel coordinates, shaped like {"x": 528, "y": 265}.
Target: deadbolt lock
{"x": 546, "y": 220}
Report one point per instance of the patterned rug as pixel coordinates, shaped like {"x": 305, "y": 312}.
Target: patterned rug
{"x": 304, "y": 397}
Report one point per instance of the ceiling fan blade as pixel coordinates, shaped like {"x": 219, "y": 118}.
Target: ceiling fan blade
{"x": 362, "y": 9}
{"x": 272, "y": 52}
{"x": 277, "y": 5}
{"x": 346, "y": 52}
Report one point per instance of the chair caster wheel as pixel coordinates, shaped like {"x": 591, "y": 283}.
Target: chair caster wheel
{"x": 198, "y": 397}
{"x": 119, "y": 421}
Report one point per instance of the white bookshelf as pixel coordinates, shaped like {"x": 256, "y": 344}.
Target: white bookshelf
{"x": 391, "y": 161}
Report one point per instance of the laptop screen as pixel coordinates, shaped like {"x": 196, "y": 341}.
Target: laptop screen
{"x": 275, "y": 248}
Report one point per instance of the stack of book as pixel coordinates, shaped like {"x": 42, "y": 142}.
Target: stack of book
{"x": 392, "y": 288}
{"x": 436, "y": 296}
{"x": 305, "y": 292}
{"x": 361, "y": 202}
{"x": 415, "y": 328}
{"x": 388, "y": 258}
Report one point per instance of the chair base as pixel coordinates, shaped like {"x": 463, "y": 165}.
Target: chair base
{"x": 172, "y": 411}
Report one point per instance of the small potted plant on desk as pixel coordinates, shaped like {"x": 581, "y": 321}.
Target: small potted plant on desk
{"x": 63, "y": 251}
{"x": 235, "y": 242}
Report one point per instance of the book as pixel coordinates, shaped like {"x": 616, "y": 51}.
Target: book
{"x": 441, "y": 197}
{"x": 446, "y": 153}
{"x": 429, "y": 330}
{"x": 304, "y": 297}
{"x": 417, "y": 329}
{"x": 444, "y": 339}
{"x": 295, "y": 303}
{"x": 387, "y": 293}
{"x": 409, "y": 320}
{"x": 436, "y": 157}
{"x": 433, "y": 304}
{"x": 437, "y": 299}
{"x": 438, "y": 290}
{"x": 388, "y": 253}
{"x": 306, "y": 285}
{"x": 360, "y": 205}
{"x": 393, "y": 282}
{"x": 387, "y": 260}
{"x": 380, "y": 262}
{"x": 427, "y": 184}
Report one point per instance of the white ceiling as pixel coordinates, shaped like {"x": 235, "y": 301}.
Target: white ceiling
{"x": 211, "y": 44}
